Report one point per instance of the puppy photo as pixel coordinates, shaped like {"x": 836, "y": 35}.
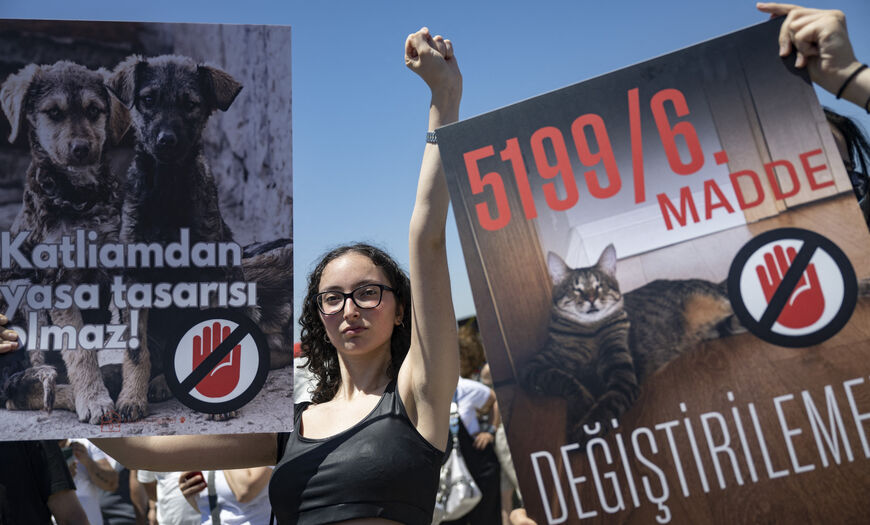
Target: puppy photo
{"x": 138, "y": 138}
{"x": 69, "y": 119}
{"x": 169, "y": 186}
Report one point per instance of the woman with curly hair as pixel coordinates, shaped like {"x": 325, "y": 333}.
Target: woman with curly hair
{"x": 322, "y": 354}
{"x": 368, "y": 449}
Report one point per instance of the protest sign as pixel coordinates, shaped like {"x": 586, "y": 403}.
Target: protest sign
{"x": 145, "y": 229}
{"x": 671, "y": 275}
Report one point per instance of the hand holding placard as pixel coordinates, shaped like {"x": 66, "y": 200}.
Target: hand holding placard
{"x": 821, "y": 42}
{"x": 8, "y": 338}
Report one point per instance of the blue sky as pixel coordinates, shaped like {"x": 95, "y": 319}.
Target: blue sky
{"x": 359, "y": 117}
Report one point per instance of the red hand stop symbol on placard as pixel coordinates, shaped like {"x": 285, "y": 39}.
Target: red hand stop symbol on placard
{"x": 224, "y": 378}
{"x": 806, "y": 303}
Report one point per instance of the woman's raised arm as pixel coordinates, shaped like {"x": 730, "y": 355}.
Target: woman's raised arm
{"x": 428, "y": 376}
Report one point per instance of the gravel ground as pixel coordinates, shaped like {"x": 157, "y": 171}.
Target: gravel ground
{"x": 270, "y": 411}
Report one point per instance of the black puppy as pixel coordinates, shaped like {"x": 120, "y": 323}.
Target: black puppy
{"x": 169, "y": 185}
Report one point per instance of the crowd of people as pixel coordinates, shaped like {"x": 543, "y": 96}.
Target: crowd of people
{"x": 383, "y": 361}
{"x": 75, "y": 482}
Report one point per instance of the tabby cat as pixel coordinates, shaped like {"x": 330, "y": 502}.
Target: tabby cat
{"x": 602, "y": 344}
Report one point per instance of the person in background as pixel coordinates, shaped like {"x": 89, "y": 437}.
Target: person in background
{"x": 93, "y": 474}
{"x": 35, "y": 480}
{"x": 237, "y": 497}
{"x": 509, "y": 484}
{"x": 471, "y": 355}
{"x": 303, "y": 378}
{"x": 35, "y": 484}
{"x": 139, "y": 498}
{"x": 117, "y": 506}
{"x": 166, "y": 503}
{"x": 855, "y": 151}
{"x": 475, "y": 401}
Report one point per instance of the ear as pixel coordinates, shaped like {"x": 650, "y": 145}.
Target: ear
{"x": 607, "y": 262}
{"x": 122, "y": 81}
{"x": 400, "y": 314}
{"x": 558, "y": 269}
{"x": 119, "y": 115}
{"x": 219, "y": 87}
{"x": 12, "y": 97}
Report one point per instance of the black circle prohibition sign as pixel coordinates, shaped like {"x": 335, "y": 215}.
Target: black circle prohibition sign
{"x": 763, "y": 327}
{"x": 182, "y": 389}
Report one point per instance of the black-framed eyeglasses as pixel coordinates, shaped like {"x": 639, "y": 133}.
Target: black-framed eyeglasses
{"x": 366, "y": 296}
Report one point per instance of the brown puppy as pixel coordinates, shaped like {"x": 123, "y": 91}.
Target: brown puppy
{"x": 69, "y": 116}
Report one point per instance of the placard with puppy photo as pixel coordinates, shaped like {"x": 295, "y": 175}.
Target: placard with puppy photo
{"x": 146, "y": 253}
{"x": 672, "y": 280}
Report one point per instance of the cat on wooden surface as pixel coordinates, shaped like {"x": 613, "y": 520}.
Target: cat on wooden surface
{"x": 603, "y": 344}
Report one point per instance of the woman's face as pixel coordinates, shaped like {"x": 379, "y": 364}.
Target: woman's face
{"x": 356, "y": 330}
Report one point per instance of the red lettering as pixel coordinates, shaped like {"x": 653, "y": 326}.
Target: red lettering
{"x": 710, "y": 187}
{"x": 604, "y": 155}
{"x": 478, "y": 184}
{"x": 636, "y": 145}
{"x": 686, "y": 202}
{"x": 770, "y": 169}
{"x": 549, "y": 171}
{"x": 759, "y": 191}
{"x": 512, "y": 153}
{"x": 809, "y": 170}
{"x": 668, "y": 133}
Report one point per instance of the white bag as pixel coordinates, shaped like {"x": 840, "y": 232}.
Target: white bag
{"x": 458, "y": 493}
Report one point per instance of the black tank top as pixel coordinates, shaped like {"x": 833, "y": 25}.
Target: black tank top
{"x": 381, "y": 467}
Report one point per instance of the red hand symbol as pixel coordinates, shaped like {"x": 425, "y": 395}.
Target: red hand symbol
{"x": 225, "y": 376}
{"x": 807, "y": 303}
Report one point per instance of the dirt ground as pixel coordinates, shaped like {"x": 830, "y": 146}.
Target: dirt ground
{"x": 270, "y": 411}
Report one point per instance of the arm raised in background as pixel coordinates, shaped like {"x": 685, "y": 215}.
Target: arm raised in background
{"x": 428, "y": 375}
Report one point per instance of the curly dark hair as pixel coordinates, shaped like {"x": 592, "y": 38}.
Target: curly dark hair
{"x": 858, "y": 148}
{"x": 321, "y": 354}
{"x": 471, "y": 355}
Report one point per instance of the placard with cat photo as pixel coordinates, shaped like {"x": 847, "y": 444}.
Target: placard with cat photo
{"x": 672, "y": 281}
